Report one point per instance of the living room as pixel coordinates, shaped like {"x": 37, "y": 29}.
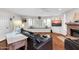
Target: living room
{"x": 51, "y": 26}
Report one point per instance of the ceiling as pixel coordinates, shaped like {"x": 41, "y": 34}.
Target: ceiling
{"x": 38, "y": 11}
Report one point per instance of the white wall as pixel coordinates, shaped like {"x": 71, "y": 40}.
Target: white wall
{"x": 68, "y": 17}
{"x": 5, "y": 25}
{"x": 61, "y": 29}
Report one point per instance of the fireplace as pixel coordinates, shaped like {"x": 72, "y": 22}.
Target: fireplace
{"x": 73, "y": 29}
{"x": 74, "y": 32}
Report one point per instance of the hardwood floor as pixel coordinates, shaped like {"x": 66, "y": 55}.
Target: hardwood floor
{"x": 57, "y": 43}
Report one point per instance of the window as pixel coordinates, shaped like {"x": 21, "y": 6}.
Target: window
{"x": 48, "y": 22}
{"x": 39, "y": 23}
{"x": 29, "y": 22}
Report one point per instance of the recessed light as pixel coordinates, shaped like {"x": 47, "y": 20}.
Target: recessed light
{"x": 59, "y": 9}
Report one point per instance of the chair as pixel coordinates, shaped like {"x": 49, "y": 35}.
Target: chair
{"x": 3, "y": 45}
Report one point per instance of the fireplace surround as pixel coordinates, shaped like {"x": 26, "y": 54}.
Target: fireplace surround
{"x": 72, "y": 38}
{"x": 74, "y": 32}
{"x": 73, "y": 29}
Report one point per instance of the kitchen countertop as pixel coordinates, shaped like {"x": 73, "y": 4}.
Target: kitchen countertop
{"x": 13, "y": 37}
{"x": 2, "y": 38}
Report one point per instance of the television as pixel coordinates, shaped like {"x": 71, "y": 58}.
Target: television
{"x": 56, "y": 23}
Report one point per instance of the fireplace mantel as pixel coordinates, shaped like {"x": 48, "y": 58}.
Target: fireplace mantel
{"x": 72, "y": 26}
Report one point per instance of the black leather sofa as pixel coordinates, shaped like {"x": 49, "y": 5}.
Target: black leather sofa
{"x": 71, "y": 44}
{"x": 36, "y": 42}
